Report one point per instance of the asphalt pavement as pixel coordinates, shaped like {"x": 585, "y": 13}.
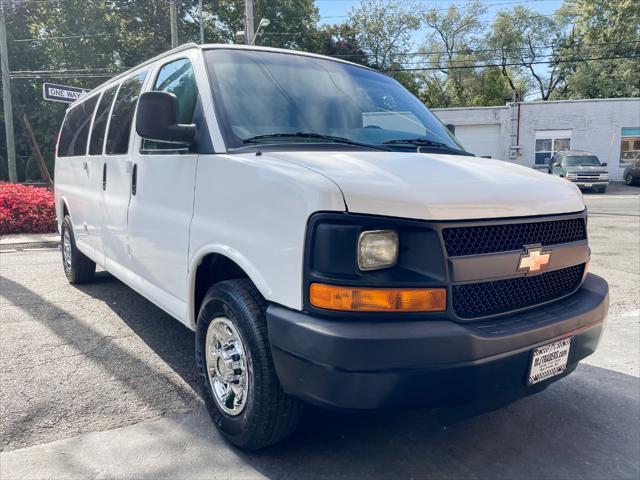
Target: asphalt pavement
{"x": 95, "y": 381}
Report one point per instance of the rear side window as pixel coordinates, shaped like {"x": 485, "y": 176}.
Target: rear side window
{"x": 100, "y": 122}
{"x": 122, "y": 115}
{"x": 178, "y": 78}
{"x": 75, "y": 129}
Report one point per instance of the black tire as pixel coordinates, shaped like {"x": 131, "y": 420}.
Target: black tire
{"x": 629, "y": 180}
{"x": 269, "y": 415}
{"x": 79, "y": 268}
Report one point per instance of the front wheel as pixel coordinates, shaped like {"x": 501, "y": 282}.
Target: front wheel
{"x": 238, "y": 379}
{"x": 628, "y": 179}
{"x": 78, "y": 268}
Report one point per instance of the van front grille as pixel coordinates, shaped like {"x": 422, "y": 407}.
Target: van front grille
{"x": 477, "y": 300}
{"x": 479, "y": 239}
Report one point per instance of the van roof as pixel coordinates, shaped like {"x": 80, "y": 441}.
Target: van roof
{"x": 210, "y": 46}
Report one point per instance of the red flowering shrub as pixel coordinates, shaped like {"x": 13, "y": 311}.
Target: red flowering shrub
{"x": 26, "y": 209}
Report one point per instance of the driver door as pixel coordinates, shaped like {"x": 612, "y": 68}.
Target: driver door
{"x": 161, "y": 207}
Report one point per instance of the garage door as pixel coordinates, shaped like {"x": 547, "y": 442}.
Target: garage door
{"x": 483, "y": 140}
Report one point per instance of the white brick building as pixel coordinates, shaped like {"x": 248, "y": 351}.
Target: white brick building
{"x": 529, "y": 133}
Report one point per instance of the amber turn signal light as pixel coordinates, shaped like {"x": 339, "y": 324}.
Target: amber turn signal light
{"x": 354, "y": 299}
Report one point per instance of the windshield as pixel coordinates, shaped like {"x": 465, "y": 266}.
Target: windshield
{"x": 582, "y": 160}
{"x": 262, "y": 97}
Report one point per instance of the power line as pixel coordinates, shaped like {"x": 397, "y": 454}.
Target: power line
{"x": 487, "y": 65}
{"x": 63, "y": 37}
{"x": 495, "y": 50}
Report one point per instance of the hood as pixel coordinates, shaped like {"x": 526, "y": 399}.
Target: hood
{"x": 438, "y": 187}
{"x": 587, "y": 169}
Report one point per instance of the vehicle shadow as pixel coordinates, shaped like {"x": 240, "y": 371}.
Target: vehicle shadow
{"x": 585, "y": 426}
{"x": 167, "y": 337}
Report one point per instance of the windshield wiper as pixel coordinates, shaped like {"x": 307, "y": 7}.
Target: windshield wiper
{"x": 319, "y": 136}
{"x": 424, "y": 142}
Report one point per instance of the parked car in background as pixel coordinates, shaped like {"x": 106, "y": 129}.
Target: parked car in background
{"x": 322, "y": 253}
{"x": 582, "y": 168}
{"x": 631, "y": 174}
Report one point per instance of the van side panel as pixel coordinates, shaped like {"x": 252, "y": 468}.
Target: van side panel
{"x": 254, "y": 210}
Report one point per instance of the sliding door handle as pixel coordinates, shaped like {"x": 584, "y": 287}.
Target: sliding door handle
{"x": 104, "y": 176}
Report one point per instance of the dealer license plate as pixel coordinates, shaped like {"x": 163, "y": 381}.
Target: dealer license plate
{"x": 549, "y": 360}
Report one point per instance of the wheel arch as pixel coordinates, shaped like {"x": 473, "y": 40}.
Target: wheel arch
{"x": 62, "y": 211}
{"x": 213, "y": 264}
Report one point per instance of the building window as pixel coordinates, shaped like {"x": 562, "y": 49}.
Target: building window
{"x": 549, "y": 142}
{"x": 629, "y": 146}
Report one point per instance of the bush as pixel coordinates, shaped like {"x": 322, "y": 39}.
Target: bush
{"x": 26, "y": 209}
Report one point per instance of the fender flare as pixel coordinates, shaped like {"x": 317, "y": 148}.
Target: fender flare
{"x": 232, "y": 254}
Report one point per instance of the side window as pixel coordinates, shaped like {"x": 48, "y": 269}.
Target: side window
{"x": 178, "y": 78}
{"x": 75, "y": 129}
{"x": 122, "y": 115}
{"x": 100, "y": 122}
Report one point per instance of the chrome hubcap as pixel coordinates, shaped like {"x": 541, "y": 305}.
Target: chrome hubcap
{"x": 227, "y": 366}
{"x": 66, "y": 250}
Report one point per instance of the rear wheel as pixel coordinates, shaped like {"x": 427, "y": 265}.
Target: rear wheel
{"x": 78, "y": 268}
{"x": 238, "y": 379}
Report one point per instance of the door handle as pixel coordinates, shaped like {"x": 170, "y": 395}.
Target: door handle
{"x": 104, "y": 176}
{"x": 85, "y": 165}
{"x": 134, "y": 179}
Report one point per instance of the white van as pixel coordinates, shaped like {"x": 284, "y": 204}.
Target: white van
{"x": 325, "y": 236}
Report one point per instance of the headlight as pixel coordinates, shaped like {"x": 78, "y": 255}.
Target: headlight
{"x": 604, "y": 176}
{"x": 377, "y": 249}
{"x": 572, "y": 176}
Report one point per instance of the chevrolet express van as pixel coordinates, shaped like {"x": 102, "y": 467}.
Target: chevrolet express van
{"x": 325, "y": 236}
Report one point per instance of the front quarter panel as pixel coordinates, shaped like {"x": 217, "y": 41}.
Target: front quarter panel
{"x": 254, "y": 210}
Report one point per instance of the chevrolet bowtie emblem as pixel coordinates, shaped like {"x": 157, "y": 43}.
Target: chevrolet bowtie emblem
{"x": 534, "y": 259}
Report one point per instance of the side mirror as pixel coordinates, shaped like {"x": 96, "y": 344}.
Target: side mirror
{"x": 156, "y": 119}
{"x": 604, "y": 164}
{"x": 451, "y": 127}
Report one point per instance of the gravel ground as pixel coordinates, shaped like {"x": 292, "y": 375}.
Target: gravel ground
{"x": 98, "y": 357}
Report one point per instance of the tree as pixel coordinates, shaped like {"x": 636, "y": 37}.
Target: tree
{"x": 450, "y": 46}
{"x": 293, "y": 22}
{"x": 607, "y": 30}
{"x": 338, "y": 41}
{"x": 525, "y": 43}
{"x": 383, "y": 30}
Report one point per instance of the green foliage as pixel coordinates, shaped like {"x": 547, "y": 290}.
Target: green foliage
{"x": 292, "y": 22}
{"x": 602, "y": 29}
{"x": 383, "y": 30}
{"x": 522, "y": 38}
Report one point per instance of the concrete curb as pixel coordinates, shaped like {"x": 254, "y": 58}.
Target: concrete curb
{"x": 12, "y": 247}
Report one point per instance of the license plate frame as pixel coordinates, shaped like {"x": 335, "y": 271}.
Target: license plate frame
{"x": 549, "y": 360}
{"x": 588, "y": 185}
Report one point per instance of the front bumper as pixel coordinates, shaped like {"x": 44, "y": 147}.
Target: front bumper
{"x": 357, "y": 364}
{"x": 589, "y": 184}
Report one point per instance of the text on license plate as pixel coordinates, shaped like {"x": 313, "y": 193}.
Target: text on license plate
{"x": 549, "y": 360}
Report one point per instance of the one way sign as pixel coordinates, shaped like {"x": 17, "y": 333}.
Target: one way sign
{"x": 61, "y": 93}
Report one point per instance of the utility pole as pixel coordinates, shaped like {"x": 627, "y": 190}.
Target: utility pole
{"x": 201, "y": 14}
{"x": 248, "y": 21}
{"x": 173, "y": 16}
{"x": 6, "y": 98}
